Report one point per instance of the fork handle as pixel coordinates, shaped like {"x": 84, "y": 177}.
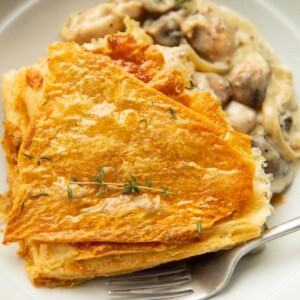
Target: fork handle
{"x": 271, "y": 234}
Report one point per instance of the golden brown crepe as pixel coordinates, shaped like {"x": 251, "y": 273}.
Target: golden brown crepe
{"x": 93, "y": 118}
{"x": 90, "y": 115}
{"x": 147, "y": 63}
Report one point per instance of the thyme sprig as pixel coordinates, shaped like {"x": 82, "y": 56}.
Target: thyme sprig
{"x": 122, "y": 186}
{"x": 130, "y": 186}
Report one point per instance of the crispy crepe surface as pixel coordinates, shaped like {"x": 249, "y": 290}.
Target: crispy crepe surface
{"x": 90, "y": 116}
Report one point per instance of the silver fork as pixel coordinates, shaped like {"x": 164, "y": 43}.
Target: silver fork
{"x": 194, "y": 279}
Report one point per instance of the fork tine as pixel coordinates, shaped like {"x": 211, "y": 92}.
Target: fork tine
{"x": 149, "y": 273}
{"x": 157, "y": 283}
{"x": 153, "y": 293}
{"x": 150, "y": 280}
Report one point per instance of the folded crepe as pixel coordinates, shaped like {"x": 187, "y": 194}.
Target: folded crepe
{"x": 158, "y": 181}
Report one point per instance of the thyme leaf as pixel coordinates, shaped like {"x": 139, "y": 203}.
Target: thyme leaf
{"x": 22, "y": 206}
{"x": 101, "y": 172}
{"x": 144, "y": 121}
{"x": 46, "y": 158}
{"x": 229, "y": 83}
{"x": 48, "y": 98}
{"x": 133, "y": 178}
{"x": 164, "y": 191}
{"x": 39, "y": 195}
{"x": 43, "y": 158}
{"x": 149, "y": 183}
{"x": 28, "y": 156}
{"x": 100, "y": 189}
{"x": 172, "y": 112}
{"x": 199, "y": 227}
{"x": 75, "y": 179}
{"x": 70, "y": 193}
{"x": 39, "y": 159}
{"x": 191, "y": 86}
{"x": 97, "y": 179}
{"x": 131, "y": 186}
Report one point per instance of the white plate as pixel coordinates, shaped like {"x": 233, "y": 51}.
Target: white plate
{"x": 274, "y": 274}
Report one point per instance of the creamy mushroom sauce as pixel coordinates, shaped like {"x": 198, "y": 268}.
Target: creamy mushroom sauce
{"x": 218, "y": 50}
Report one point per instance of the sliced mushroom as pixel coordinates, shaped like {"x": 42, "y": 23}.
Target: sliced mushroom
{"x": 282, "y": 170}
{"x": 159, "y": 6}
{"x": 250, "y": 80}
{"x": 241, "y": 117}
{"x": 165, "y": 30}
{"x": 210, "y": 36}
{"x": 220, "y": 85}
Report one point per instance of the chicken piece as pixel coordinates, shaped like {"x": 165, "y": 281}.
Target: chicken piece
{"x": 241, "y": 117}
{"x": 99, "y": 21}
{"x": 218, "y": 84}
{"x": 155, "y": 6}
{"x": 209, "y": 35}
